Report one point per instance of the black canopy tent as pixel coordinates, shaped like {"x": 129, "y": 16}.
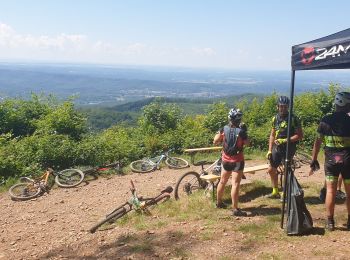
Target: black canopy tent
{"x": 330, "y": 52}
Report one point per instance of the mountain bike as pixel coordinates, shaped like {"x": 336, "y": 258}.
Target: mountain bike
{"x": 298, "y": 160}
{"x": 151, "y": 164}
{"x": 72, "y": 177}
{"x": 137, "y": 203}
{"x": 191, "y": 182}
{"x": 32, "y": 188}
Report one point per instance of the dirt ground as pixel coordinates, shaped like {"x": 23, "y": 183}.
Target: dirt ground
{"x": 55, "y": 226}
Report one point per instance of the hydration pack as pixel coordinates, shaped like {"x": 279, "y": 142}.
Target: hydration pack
{"x": 230, "y": 140}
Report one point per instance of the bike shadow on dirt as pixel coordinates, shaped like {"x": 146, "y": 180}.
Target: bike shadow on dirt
{"x": 254, "y": 193}
{"x": 314, "y": 200}
{"x": 152, "y": 244}
{"x": 262, "y": 210}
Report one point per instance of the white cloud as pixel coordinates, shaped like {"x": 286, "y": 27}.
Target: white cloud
{"x": 204, "y": 51}
{"x": 10, "y": 39}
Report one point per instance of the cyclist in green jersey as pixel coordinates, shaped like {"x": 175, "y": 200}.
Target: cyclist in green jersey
{"x": 334, "y": 133}
{"x": 278, "y": 141}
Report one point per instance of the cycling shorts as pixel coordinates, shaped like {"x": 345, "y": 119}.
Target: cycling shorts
{"x": 233, "y": 166}
{"x": 279, "y": 154}
{"x": 337, "y": 162}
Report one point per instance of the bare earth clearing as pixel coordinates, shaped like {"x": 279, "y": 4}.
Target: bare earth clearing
{"x": 55, "y": 225}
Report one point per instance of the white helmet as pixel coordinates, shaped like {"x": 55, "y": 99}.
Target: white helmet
{"x": 342, "y": 99}
{"x": 235, "y": 114}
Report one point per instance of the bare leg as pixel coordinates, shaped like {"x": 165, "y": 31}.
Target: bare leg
{"x": 330, "y": 198}
{"x": 273, "y": 175}
{"x": 236, "y": 180}
{"x": 225, "y": 175}
{"x": 347, "y": 190}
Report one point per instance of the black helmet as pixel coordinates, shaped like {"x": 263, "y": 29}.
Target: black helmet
{"x": 283, "y": 100}
{"x": 235, "y": 114}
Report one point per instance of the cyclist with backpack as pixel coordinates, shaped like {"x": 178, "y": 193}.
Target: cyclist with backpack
{"x": 234, "y": 137}
{"x": 278, "y": 141}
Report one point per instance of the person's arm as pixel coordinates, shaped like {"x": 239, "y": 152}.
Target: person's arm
{"x": 298, "y": 136}
{"x": 314, "y": 165}
{"x": 272, "y": 138}
{"x": 218, "y": 137}
{"x": 317, "y": 147}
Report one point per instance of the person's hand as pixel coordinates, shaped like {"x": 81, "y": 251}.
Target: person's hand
{"x": 269, "y": 155}
{"x": 314, "y": 166}
{"x": 243, "y": 127}
{"x": 280, "y": 141}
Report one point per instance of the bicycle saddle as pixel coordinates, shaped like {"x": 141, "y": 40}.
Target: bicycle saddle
{"x": 168, "y": 189}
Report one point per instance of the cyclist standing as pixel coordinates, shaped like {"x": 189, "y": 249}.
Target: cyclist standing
{"x": 278, "y": 141}
{"x": 334, "y": 132}
{"x": 234, "y": 137}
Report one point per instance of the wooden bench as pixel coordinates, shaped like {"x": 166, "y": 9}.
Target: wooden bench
{"x": 212, "y": 178}
{"x": 251, "y": 170}
{"x": 193, "y": 151}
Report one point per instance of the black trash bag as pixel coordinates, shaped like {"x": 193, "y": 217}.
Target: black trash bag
{"x": 299, "y": 220}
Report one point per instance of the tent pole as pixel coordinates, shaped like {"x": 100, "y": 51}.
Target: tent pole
{"x": 287, "y": 164}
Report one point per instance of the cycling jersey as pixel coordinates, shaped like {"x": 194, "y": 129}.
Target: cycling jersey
{"x": 335, "y": 131}
{"x": 280, "y": 125}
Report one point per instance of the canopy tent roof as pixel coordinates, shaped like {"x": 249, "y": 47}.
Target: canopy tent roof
{"x": 330, "y": 52}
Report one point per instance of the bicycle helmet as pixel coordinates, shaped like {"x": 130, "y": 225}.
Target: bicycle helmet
{"x": 235, "y": 114}
{"x": 283, "y": 100}
{"x": 342, "y": 99}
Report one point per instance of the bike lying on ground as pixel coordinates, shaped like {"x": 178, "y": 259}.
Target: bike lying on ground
{"x": 32, "y": 188}
{"x": 190, "y": 182}
{"x": 136, "y": 203}
{"x": 151, "y": 164}
{"x": 72, "y": 177}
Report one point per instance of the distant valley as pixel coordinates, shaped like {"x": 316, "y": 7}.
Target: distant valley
{"x": 113, "y": 85}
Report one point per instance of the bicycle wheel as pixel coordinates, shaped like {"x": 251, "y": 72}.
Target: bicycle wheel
{"x": 69, "y": 178}
{"x": 303, "y": 158}
{"x": 24, "y": 191}
{"x": 141, "y": 166}
{"x": 188, "y": 184}
{"x": 114, "y": 215}
{"x": 176, "y": 163}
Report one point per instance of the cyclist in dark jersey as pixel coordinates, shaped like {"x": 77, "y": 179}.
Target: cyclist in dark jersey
{"x": 232, "y": 158}
{"x": 334, "y": 132}
{"x": 278, "y": 141}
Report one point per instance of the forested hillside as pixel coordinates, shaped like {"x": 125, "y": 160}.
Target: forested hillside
{"x": 42, "y": 132}
{"x": 99, "y": 118}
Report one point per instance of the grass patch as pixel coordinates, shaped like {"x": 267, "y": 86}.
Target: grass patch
{"x": 269, "y": 256}
{"x": 141, "y": 247}
{"x": 181, "y": 253}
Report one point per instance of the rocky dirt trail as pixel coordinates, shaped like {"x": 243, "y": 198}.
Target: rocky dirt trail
{"x": 55, "y": 226}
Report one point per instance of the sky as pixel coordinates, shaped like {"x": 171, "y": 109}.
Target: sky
{"x": 248, "y": 35}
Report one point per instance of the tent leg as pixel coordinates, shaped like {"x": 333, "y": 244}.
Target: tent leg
{"x": 287, "y": 165}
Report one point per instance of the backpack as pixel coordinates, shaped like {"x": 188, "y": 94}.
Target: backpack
{"x": 230, "y": 141}
{"x": 299, "y": 220}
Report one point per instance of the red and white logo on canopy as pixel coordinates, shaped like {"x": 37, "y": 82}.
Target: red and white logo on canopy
{"x": 308, "y": 55}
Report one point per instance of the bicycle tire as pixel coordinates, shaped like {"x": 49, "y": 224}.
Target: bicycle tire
{"x": 141, "y": 166}
{"x": 69, "y": 178}
{"x": 117, "y": 214}
{"x": 304, "y": 158}
{"x": 176, "y": 163}
{"x": 187, "y": 184}
{"x": 28, "y": 191}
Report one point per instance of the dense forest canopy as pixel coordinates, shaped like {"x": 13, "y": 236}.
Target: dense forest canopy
{"x": 42, "y": 132}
